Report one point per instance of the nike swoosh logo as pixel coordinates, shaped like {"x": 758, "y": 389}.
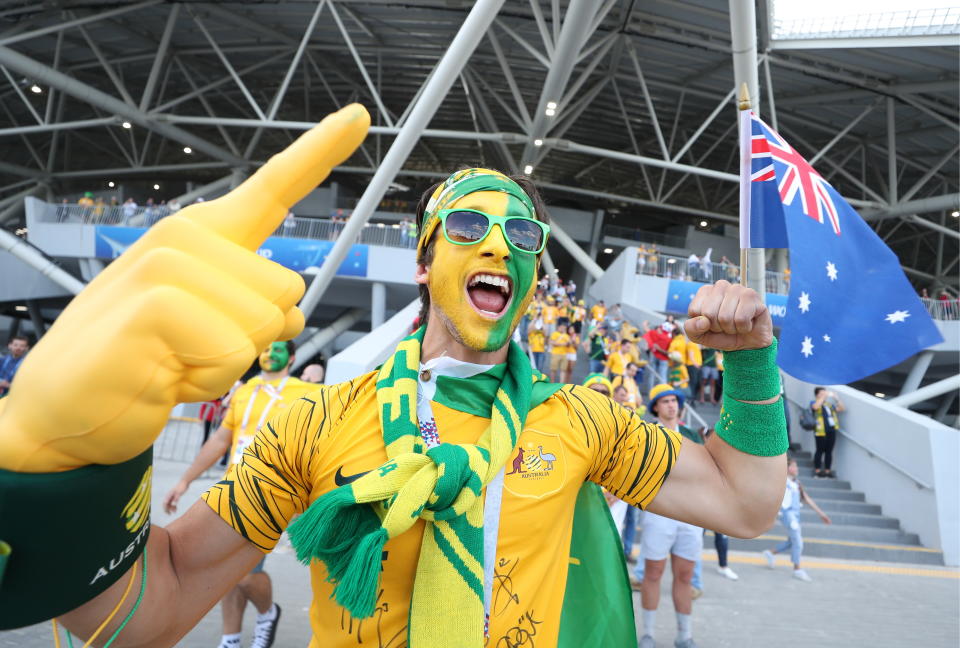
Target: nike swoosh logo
{"x": 342, "y": 480}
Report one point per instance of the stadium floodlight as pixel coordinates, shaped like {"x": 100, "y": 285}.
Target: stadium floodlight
{"x": 35, "y": 89}
{"x": 127, "y": 125}
{"x": 187, "y": 150}
{"x": 156, "y": 187}
{"x": 111, "y": 184}
{"x": 538, "y": 142}
{"x": 528, "y": 169}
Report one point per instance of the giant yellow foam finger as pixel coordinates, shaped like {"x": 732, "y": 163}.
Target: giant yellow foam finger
{"x": 252, "y": 211}
{"x": 177, "y": 317}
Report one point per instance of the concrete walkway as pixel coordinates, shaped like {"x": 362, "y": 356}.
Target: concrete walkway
{"x": 849, "y": 603}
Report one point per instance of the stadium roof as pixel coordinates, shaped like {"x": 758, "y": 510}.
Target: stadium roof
{"x": 644, "y": 121}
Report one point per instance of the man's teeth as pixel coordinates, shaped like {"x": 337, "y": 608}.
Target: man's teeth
{"x": 492, "y": 280}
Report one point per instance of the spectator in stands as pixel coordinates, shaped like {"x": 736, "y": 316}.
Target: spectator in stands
{"x": 617, "y": 358}
{"x": 652, "y": 260}
{"x": 629, "y": 383}
{"x": 709, "y": 377}
{"x": 289, "y": 224}
{"x": 614, "y": 319}
{"x": 17, "y": 349}
{"x": 571, "y": 353}
{"x": 550, "y": 315}
{"x": 827, "y": 417}
{"x": 536, "y": 342}
{"x": 694, "y": 360}
{"x": 86, "y": 200}
{"x": 663, "y": 537}
{"x": 313, "y": 373}
{"x": 596, "y": 345}
{"x": 621, "y": 396}
{"x": 790, "y": 518}
{"x": 559, "y": 343}
{"x": 658, "y": 341}
{"x": 405, "y": 232}
{"x": 924, "y": 294}
{"x": 641, "y": 258}
{"x": 578, "y": 316}
{"x": 598, "y": 312}
{"x": 678, "y": 376}
{"x": 598, "y": 383}
{"x": 571, "y": 289}
{"x": 706, "y": 266}
{"x": 693, "y": 265}
{"x": 129, "y": 209}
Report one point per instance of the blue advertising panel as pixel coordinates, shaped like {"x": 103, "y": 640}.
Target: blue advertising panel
{"x": 297, "y": 254}
{"x": 680, "y": 294}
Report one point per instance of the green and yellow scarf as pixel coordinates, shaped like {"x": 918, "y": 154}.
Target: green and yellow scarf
{"x": 347, "y": 528}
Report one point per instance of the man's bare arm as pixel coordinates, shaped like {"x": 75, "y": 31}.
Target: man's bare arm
{"x": 191, "y": 564}
{"x": 718, "y": 486}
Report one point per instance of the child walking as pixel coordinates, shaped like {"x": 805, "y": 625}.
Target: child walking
{"x": 790, "y": 518}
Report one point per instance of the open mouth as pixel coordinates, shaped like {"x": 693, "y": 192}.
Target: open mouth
{"x": 489, "y": 294}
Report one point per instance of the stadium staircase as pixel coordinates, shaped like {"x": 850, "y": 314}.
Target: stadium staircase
{"x": 860, "y": 530}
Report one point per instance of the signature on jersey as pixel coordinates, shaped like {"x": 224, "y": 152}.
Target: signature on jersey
{"x": 355, "y": 627}
{"x": 521, "y": 635}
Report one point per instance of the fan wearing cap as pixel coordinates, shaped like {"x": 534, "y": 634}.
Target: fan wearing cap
{"x": 665, "y": 537}
{"x": 412, "y": 485}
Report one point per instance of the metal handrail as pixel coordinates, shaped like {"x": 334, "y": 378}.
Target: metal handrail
{"x": 874, "y": 454}
{"x": 942, "y": 309}
{"x": 657, "y": 264}
{"x": 322, "y": 229}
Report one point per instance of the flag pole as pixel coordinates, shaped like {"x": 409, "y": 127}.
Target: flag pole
{"x": 752, "y": 259}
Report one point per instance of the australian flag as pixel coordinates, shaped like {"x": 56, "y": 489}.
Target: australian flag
{"x": 851, "y": 311}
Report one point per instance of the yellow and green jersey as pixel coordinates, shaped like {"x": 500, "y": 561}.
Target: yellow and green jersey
{"x": 333, "y": 435}
{"x": 255, "y": 403}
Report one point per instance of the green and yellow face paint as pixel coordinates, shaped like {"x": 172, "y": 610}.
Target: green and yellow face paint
{"x": 275, "y": 357}
{"x": 483, "y": 282}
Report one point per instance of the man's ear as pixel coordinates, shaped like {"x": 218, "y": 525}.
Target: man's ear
{"x": 421, "y": 275}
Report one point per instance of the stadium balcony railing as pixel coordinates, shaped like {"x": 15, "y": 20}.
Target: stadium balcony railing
{"x": 674, "y": 267}
{"x": 942, "y": 309}
{"x": 324, "y": 229}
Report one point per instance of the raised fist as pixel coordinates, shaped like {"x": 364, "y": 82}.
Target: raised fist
{"x": 729, "y": 317}
{"x": 177, "y": 318}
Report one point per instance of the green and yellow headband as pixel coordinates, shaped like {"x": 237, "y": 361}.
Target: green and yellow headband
{"x": 461, "y": 183}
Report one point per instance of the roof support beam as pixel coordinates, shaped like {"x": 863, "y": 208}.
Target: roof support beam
{"x": 147, "y": 95}
{"x": 230, "y": 68}
{"x": 573, "y": 34}
{"x": 951, "y": 155}
{"x": 924, "y": 205}
{"x": 103, "y": 15}
{"x": 68, "y": 85}
{"x": 913, "y": 218}
{"x": 371, "y": 88}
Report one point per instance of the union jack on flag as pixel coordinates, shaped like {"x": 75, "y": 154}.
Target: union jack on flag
{"x": 797, "y": 179}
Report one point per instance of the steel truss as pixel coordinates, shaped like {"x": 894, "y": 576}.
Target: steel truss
{"x": 584, "y": 94}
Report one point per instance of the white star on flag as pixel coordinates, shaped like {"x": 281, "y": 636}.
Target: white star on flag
{"x": 831, "y": 271}
{"x": 826, "y": 338}
{"x": 897, "y": 316}
{"x": 807, "y": 347}
{"x": 804, "y": 302}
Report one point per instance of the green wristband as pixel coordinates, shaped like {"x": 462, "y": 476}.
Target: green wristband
{"x": 759, "y": 430}
{"x": 751, "y": 375}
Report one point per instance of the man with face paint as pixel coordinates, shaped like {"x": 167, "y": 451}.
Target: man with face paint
{"x": 435, "y": 495}
{"x": 256, "y": 402}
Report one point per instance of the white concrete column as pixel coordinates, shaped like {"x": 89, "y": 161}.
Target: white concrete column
{"x": 378, "y": 304}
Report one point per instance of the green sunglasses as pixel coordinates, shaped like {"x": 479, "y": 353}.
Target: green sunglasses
{"x": 470, "y": 226}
